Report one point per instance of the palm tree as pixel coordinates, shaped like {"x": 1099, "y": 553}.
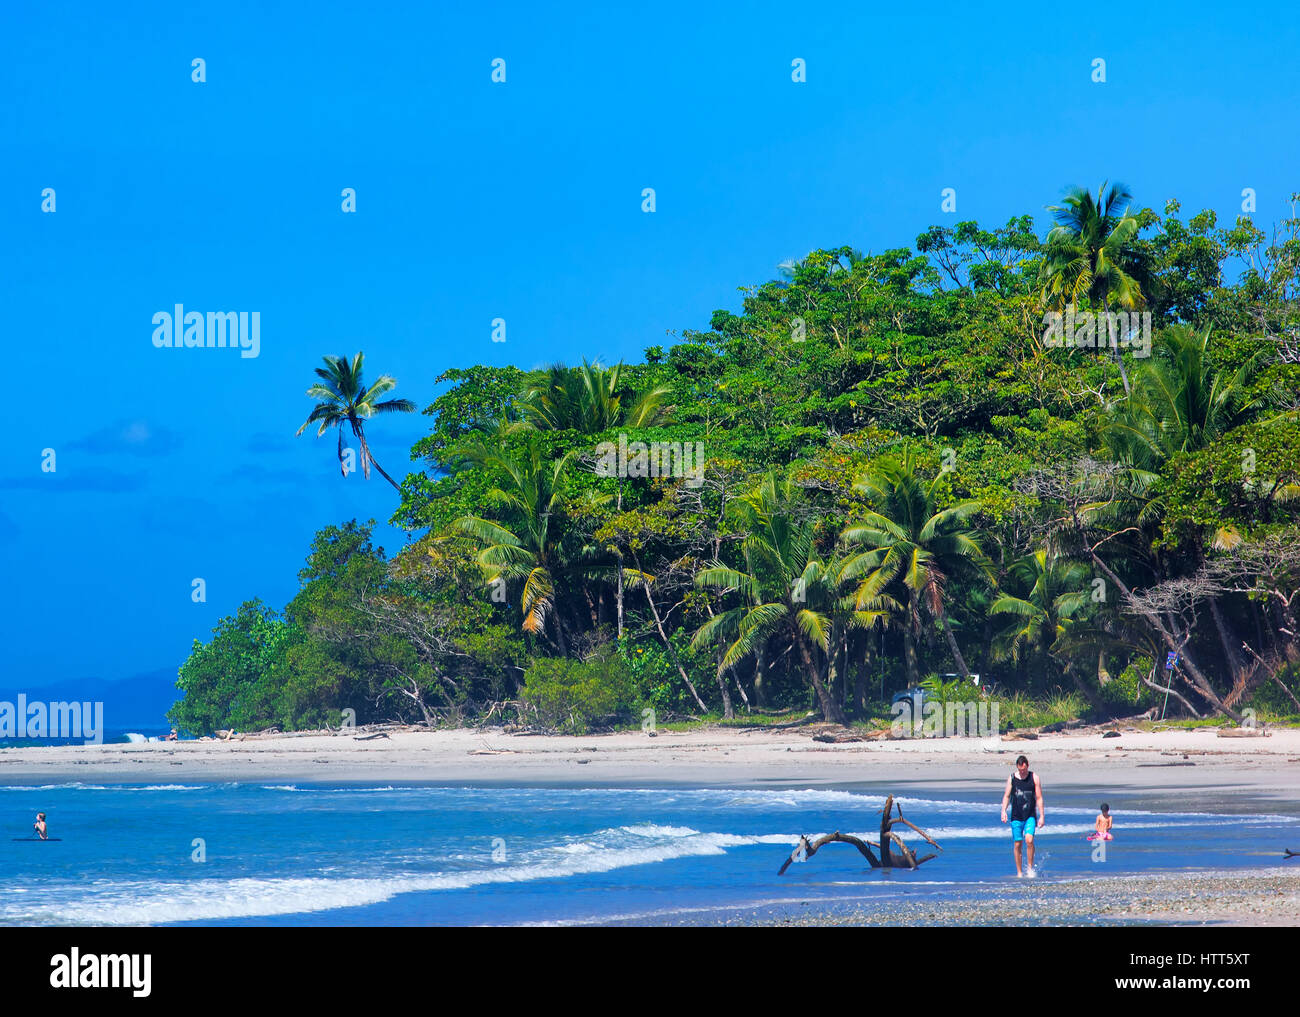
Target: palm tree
{"x": 1052, "y": 597}
{"x": 1180, "y": 403}
{"x": 789, "y": 592}
{"x": 1051, "y": 613}
{"x": 526, "y": 544}
{"x": 905, "y": 540}
{"x": 346, "y": 400}
{"x": 1085, "y": 254}
{"x": 587, "y": 399}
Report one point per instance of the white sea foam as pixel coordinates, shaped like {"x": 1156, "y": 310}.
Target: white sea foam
{"x": 78, "y": 786}
{"x": 150, "y": 903}
{"x": 343, "y": 790}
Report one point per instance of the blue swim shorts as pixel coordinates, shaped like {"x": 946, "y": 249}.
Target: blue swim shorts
{"x": 1019, "y": 830}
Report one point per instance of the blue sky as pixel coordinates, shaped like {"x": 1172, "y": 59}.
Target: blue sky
{"x": 478, "y": 200}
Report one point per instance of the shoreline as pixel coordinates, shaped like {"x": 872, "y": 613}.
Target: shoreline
{"x": 1182, "y": 762}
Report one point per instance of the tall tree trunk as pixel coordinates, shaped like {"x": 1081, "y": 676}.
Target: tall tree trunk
{"x": 620, "y": 596}
{"x": 1241, "y": 671}
{"x": 1119, "y": 357}
{"x": 620, "y": 567}
{"x": 668, "y": 646}
{"x": 560, "y": 641}
{"x": 384, "y": 474}
{"x": 952, "y": 643}
{"x": 834, "y": 686}
{"x": 860, "y": 692}
{"x": 367, "y": 458}
{"x": 830, "y": 710}
{"x": 986, "y": 642}
{"x": 740, "y": 688}
{"x": 909, "y": 642}
{"x": 842, "y": 677}
{"x": 727, "y": 712}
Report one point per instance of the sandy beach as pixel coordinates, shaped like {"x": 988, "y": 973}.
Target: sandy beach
{"x": 1173, "y": 762}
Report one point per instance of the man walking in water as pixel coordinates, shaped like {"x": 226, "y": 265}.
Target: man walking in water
{"x": 1025, "y": 793}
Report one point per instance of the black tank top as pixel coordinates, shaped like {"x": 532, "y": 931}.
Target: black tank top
{"x": 1024, "y": 803}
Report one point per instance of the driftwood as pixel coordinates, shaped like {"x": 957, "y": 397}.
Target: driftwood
{"x": 806, "y": 848}
{"x": 370, "y": 737}
{"x": 854, "y": 736}
{"x": 808, "y": 718}
{"x": 906, "y": 859}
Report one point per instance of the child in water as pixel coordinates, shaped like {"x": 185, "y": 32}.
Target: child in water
{"x": 1103, "y": 824}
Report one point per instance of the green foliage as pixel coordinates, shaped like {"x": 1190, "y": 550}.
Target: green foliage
{"x": 1271, "y": 703}
{"x": 574, "y": 696}
{"x": 235, "y": 680}
{"x": 655, "y": 677}
{"x": 1249, "y": 480}
{"x": 1021, "y": 711}
{"x": 898, "y": 478}
{"x": 1127, "y": 692}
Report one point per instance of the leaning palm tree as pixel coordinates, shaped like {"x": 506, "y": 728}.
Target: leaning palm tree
{"x": 904, "y": 541}
{"x": 1085, "y": 254}
{"x": 344, "y": 399}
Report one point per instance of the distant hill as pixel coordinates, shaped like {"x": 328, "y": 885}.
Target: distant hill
{"x": 139, "y": 701}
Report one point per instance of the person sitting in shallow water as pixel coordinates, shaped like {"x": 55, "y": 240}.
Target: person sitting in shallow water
{"x": 1104, "y": 823}
{"x": 40, "y": 828}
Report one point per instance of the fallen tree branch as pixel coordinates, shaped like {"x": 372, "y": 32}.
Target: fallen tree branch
{"x": 1170, "y": 690}
{"x": 807, "y": 718}
{"x": 806, "y": 848}
{"x": 925, "y": 835}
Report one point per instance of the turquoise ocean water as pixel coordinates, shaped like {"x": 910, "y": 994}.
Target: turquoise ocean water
{"x": 318, "y": 854}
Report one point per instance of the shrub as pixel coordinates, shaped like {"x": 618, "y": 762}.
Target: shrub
{"x": 1127, "y": 690}
{"x": 1020, "y": 711}
{"x": 575, "y": 696}
{"x": 655, "y": 678}
{"x": 1270, "y": 702}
